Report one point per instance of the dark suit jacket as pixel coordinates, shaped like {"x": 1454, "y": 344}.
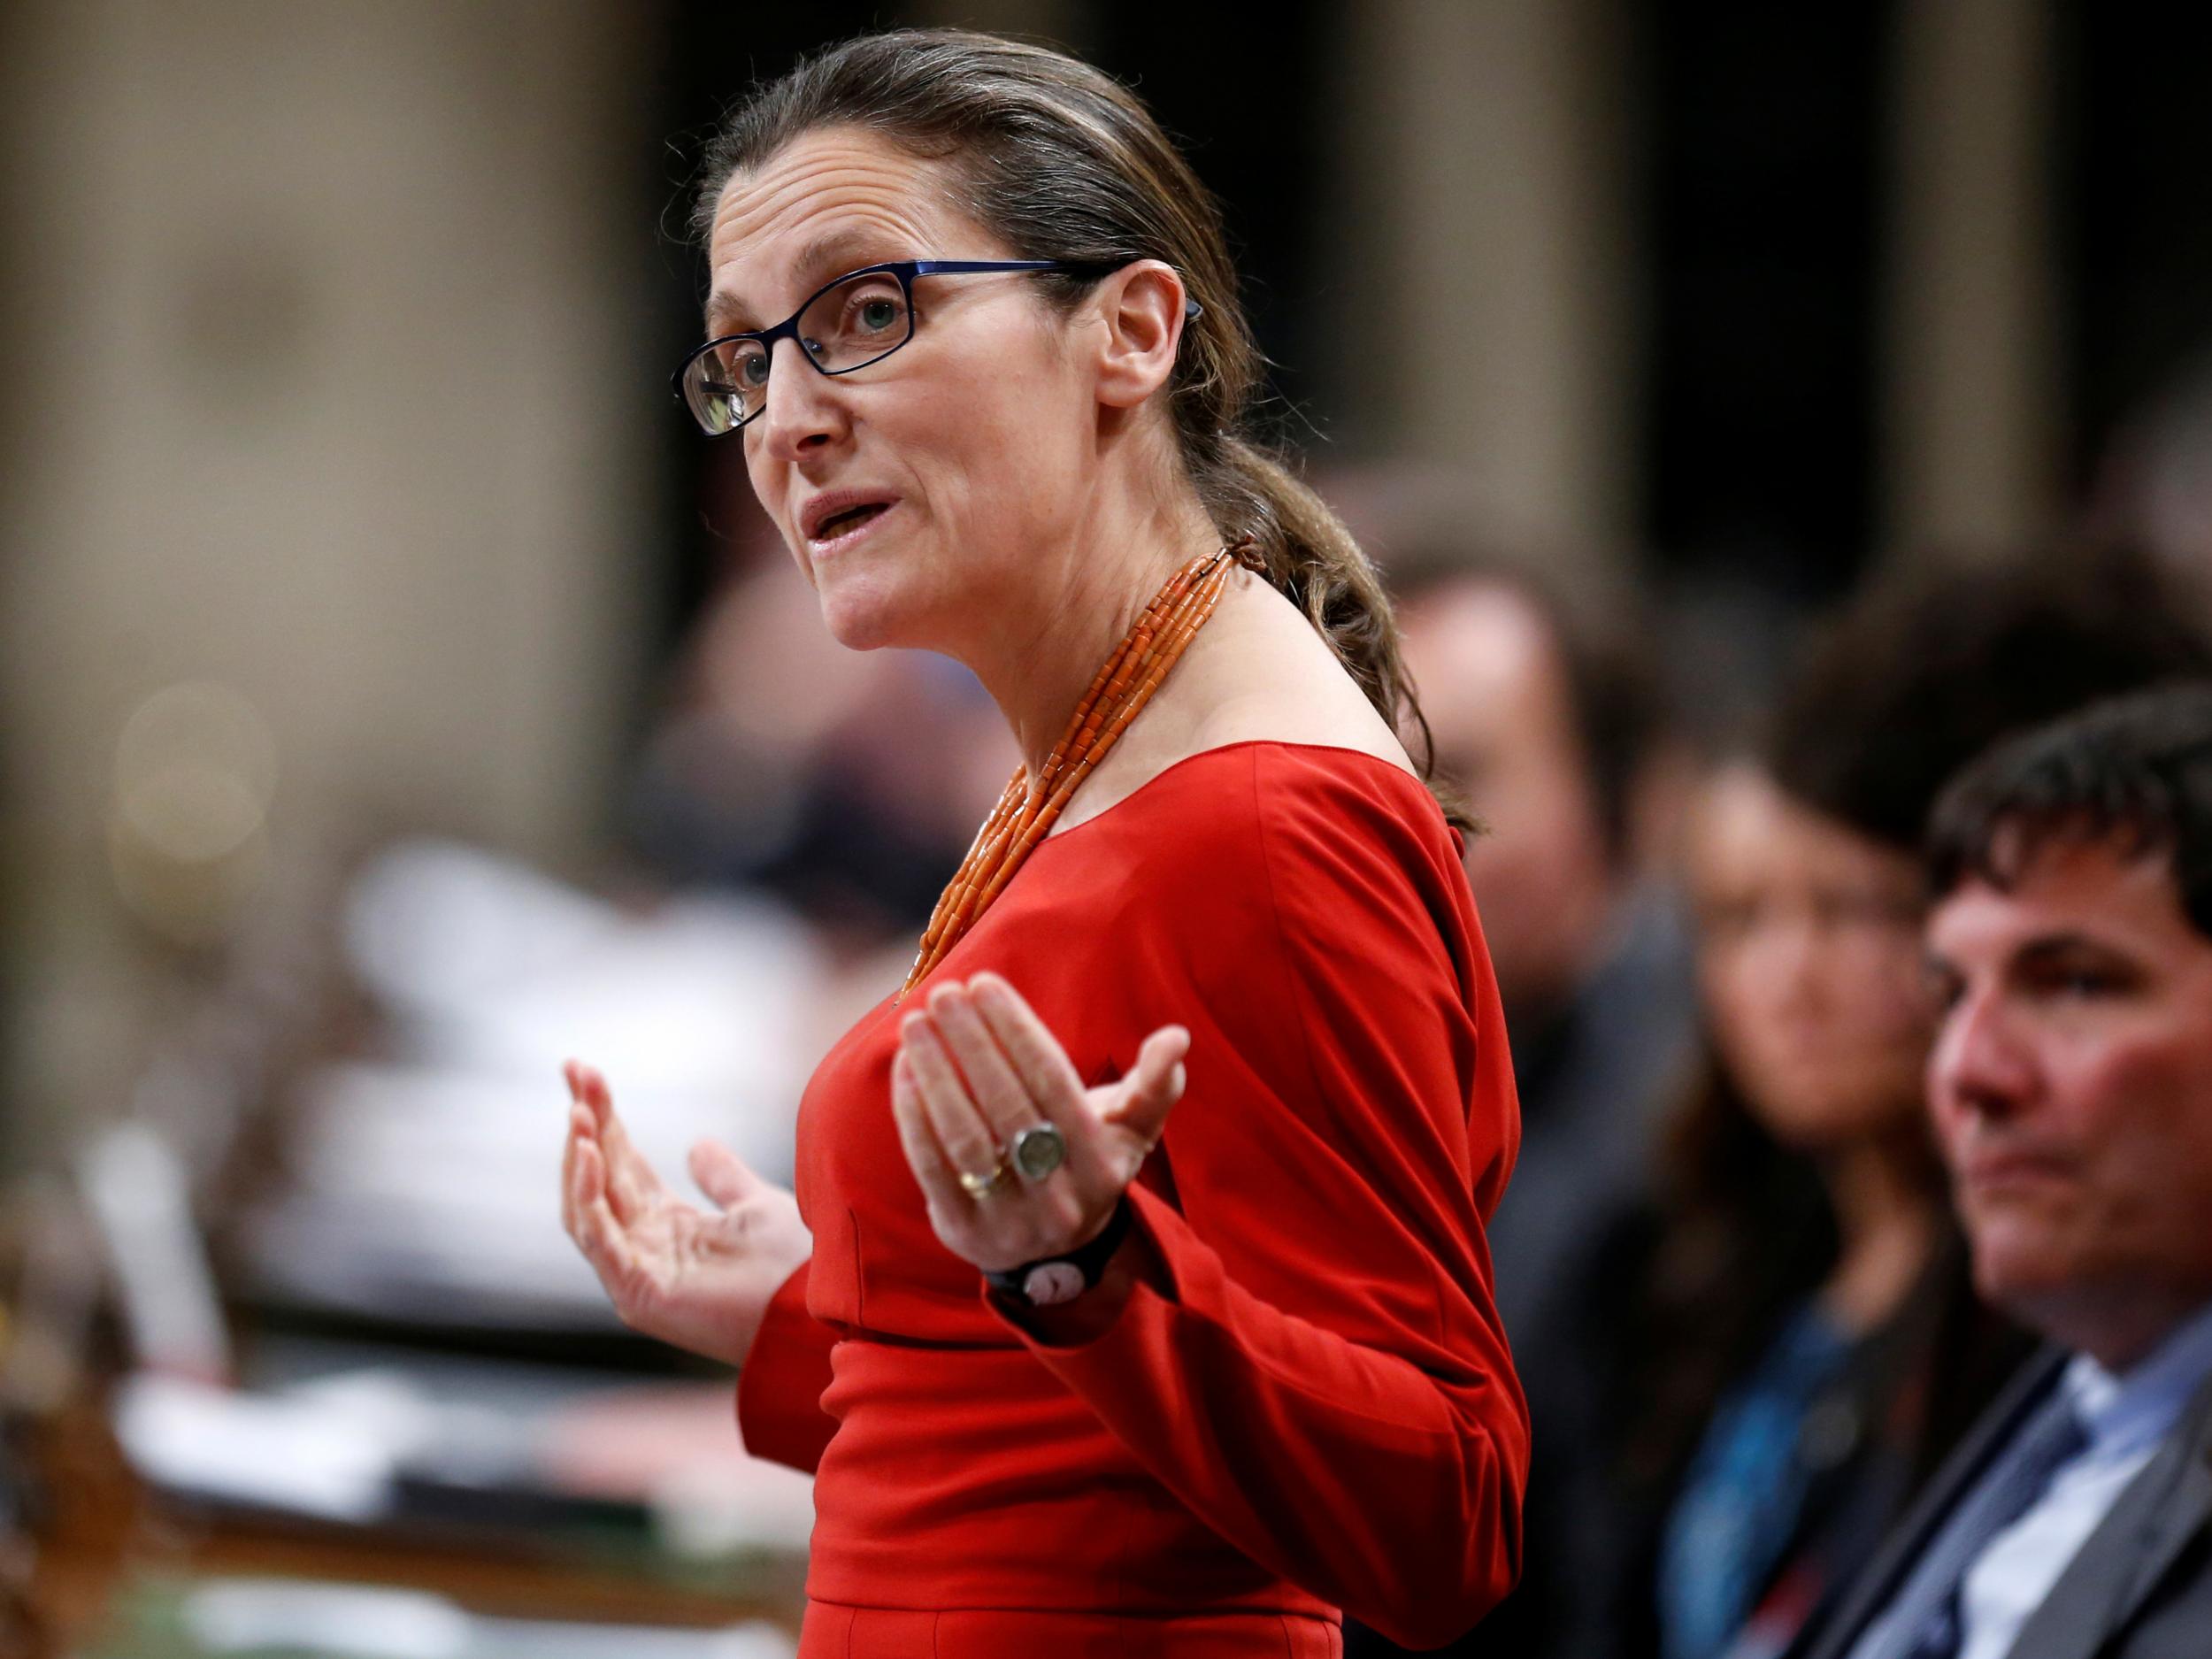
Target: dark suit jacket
{"x": 2141, "y": 1586}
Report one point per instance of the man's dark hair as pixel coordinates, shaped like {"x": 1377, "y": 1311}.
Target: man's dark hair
{"x": 1931, "y": 666}
{"x": 2134, "y": 771}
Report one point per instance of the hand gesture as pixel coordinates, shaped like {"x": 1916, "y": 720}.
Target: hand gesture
{"x": 699, "y": 1279}
{"x": 975, "y": 1068}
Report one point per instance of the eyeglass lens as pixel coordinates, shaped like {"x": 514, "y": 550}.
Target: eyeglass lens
{"x": 846, "y": 326}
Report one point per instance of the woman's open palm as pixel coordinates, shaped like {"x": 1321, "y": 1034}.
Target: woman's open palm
{"x": 699, "y": 1279}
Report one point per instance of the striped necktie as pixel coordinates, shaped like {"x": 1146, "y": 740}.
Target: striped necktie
{"x": 2053, "y": 1440}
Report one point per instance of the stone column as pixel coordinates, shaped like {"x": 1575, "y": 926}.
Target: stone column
{"x": 1486, "y": 312}
{"x": 1971, "y": 413}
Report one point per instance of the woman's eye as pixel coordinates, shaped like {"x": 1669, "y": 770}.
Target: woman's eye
{"x": 878, "y": 315}
{"x": 753, "y": 372}
{"x": 1851, "y": 907}
{"x": 1727, "y": 921}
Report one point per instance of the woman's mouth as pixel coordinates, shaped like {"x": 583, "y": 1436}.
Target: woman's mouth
{"x": 832, "y": 525}
{"x": 839, "y": 525}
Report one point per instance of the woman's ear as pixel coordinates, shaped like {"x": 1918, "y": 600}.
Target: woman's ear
{"x": 1141, "y": 306}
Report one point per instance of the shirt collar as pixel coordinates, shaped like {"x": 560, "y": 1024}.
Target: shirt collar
{"x": 2124, "y": 1413}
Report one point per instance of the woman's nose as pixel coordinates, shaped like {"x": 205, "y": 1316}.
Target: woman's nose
{"x": 805, "y": 409}
{"x": 1780, "y": 958}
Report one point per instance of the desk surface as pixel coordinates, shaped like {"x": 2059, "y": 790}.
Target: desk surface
{"x": 117, "y": 1554}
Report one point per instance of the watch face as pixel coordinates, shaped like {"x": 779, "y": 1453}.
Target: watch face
{"x": 1050, "y": 1283}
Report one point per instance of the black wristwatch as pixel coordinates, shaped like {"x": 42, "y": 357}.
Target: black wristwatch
{"x": 1058, "y": 1278}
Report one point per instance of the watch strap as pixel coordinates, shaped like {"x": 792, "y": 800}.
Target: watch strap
{"x": 1054, "y": 1279}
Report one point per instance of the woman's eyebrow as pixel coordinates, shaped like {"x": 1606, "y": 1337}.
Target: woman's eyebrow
{"x": 725, "y": 315}
{"x": 825, "y": 256}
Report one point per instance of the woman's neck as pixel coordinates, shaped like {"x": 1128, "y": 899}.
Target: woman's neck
{"x": 1038, "y": 660}
{"x": 1887, "y": 1213}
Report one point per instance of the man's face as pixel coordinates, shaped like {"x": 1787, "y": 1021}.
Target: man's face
{"x": 1499, "y": 708}
{"x": 2071, "y": 1085}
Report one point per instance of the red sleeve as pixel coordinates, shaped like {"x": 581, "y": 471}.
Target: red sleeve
{"x": 1311, "y": 1360}
{"x": 779, "y": 1414}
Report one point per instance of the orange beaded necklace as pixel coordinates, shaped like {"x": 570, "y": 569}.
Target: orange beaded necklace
{"x": 1026, "y": 812}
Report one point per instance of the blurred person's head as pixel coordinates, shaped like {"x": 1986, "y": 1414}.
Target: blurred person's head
{"x": 2071, "y": 1083}
{"x": 2153, "y": 481}
{"x": 1806, "y": 861}
{"x": 1542, "y": 725}
{"x": 847, "y": 783}
{"x": 1539, "y": 708}
{"x": 1809, "y": 962}
{"x": 1804, "y": 868}
{"x": 1025, "y": 440}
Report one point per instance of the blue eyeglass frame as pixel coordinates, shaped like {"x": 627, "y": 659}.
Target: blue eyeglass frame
{"x": 905, "y": 271}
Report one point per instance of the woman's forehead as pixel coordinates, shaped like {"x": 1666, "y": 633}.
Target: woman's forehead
{"x": 1744, "y": 819}
{"x": 822, "y": 205}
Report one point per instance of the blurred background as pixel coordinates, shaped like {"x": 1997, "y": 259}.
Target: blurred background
{"x": 396, "y": 694}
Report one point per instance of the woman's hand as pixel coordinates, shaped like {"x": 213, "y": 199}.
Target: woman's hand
{"x": 700, "y": 1279}
{"x": 979, "y": 1067}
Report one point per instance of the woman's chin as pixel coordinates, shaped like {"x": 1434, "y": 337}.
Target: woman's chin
{"x": 860, "y": 619}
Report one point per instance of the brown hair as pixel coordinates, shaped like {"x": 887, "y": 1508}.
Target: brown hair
{"x": 1936, "y": 662}
{"x": 1062, "y": 162}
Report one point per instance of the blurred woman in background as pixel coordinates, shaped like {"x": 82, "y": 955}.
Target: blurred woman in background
{"x": 1812, "y": 1346}
{"x": 1077, "y": 1375}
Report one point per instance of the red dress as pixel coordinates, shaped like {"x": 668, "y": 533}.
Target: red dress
{"x": 1310, "y": 1406}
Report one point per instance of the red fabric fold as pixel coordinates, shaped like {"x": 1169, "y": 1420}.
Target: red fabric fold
{"x": 779, "y": 1414}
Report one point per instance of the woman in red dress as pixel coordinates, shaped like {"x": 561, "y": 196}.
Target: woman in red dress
{"x": 1135, "y": 1298}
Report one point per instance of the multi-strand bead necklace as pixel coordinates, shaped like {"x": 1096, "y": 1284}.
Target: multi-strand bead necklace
{"x": 1027, "y": 810}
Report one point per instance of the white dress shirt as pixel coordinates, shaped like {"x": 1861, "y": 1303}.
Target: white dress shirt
{"x": 2123, "y": 1419}
{"x": 2126, "y": 1417}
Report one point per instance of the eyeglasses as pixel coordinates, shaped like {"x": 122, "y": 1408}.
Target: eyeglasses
{"x": 861, "y": 317}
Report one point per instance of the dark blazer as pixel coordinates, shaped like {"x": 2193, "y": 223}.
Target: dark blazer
{"x": 2141, "y": 1586}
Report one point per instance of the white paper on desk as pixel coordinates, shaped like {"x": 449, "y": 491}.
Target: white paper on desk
{"x": 354, "y": 1622}
{"x": 256, "y": 1615}
{"x": 423, "y": 1182}
{"x": 136, "y": 1185}
{"x": 268, "y": 1451}
{"x": 748, "y": 1504}
{"x": 485, "y": 965}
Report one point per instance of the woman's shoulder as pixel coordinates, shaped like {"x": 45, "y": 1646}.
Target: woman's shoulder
{"x": 1287, "y": 813}
{"x": 1258, "y": 677}
{"x": 1237, "y": 777}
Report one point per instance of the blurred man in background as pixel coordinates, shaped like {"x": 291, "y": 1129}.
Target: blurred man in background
{"x": 851, "y": 803}
{"x": 2072, "y": 946}
{"x": 1807, "y": 1348}
{"x": 1543, "y": 714}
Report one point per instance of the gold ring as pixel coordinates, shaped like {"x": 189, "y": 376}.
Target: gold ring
{"x": 985, "y": 1184}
